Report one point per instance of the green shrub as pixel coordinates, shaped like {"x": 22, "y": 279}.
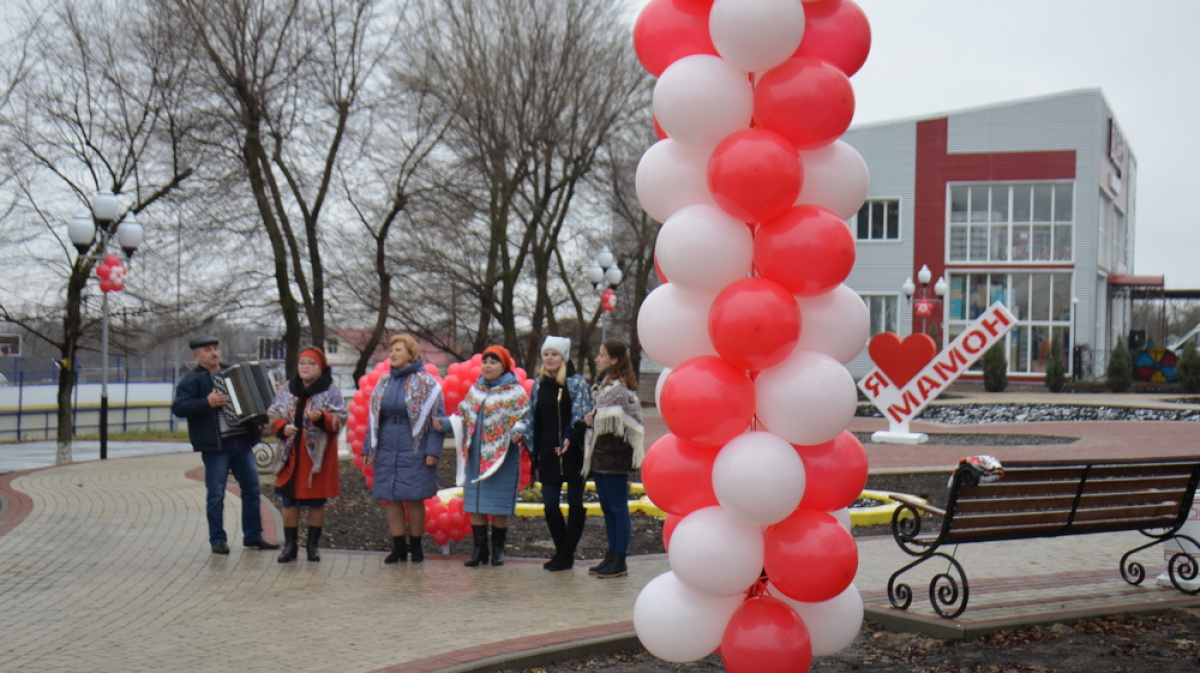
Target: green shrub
{"x": 995, "y": 369}
{"x": 1119, "y": 375}
{"x": 1187, "y": 372}
{"x": 1056, "y": 368}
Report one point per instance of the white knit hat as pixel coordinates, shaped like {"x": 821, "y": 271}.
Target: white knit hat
{"x": 561, "y": 345}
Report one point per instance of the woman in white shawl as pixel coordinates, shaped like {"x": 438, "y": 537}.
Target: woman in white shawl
{"x": 613, "y": 448}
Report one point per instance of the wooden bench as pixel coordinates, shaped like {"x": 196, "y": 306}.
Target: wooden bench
{"x": 1049, "y": 499}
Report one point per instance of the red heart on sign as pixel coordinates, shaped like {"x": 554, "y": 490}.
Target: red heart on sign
{"x": 900, "y": 360}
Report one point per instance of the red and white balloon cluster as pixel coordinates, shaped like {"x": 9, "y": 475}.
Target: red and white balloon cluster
{"x": 111, "y": 273}
{"x": 754, "y": 326}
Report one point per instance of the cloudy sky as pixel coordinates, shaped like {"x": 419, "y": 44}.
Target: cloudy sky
{"x": 931, "y": 56}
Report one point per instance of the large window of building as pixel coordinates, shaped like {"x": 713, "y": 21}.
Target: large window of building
{"x": 1041, "y": 302}
{"x": 1021, "y": 222}
{"x": 1114, "y": 243}
{"x": 884, "y": 314}
{"x": 878, "y": 220}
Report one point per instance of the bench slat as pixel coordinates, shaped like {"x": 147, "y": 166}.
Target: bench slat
{"x": 1087, "y": 501}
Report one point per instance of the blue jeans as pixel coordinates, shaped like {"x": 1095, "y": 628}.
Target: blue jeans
{"x": 613, "y": 490}
{"x": 235, "y": 455}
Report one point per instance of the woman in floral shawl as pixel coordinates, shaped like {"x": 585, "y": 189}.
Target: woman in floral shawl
{"x": 307, "y": 415}
{"x": 488, "y": 466}
{"x": 404, "y": 446}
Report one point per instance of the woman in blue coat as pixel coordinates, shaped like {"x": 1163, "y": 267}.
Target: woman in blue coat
{"x": 404, "y": 446}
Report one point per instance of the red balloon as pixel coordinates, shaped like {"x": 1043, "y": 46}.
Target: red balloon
{"x": 451, "y": 382}
{"x": 754, "y": 323}
{"x": 668, "y": 30}
{"x": 835, "y": 472}
{"x": 658, "y": 271}
{"x": 521, "y": 374}
{"x": 526, "y": 472}
{"x": 669, "y": 525}
{"x": 809, "y": 251}
{"x": 359, "y": 461}
{"x": 103, "y": 271}
{"x": 528, "y": 386}
{"x": 445, "y": 521}
{"x": 373, "y": 377}
{"x": 477, "y": 359}
{"x": 457, "y": 533}
{"x": 431, "y": 368}
{"x": 805, "y": 100}
{"x": 658, "y": 130}
{"x": 456, "y": 505}
{"x": 107, "y": 285}
{"x": 706, "y": 400}
{"x": 453, "y": 398}
{"x": 755, "y": 175}
{"x": 766, "y": 636}
{"x": 112, "y": 259}
{"x": 809, "y": 556}
{"x": 441, "y": 537}
{"x": 837, "y": 32}
{"x": 677, "y": 475}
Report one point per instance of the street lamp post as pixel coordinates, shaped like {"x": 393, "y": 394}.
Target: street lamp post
{"x": 923, "y": 298}
{"x": 605, "y": 275}
{"x": 82, "y": 232}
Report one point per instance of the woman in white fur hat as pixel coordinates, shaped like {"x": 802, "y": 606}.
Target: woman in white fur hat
{"x": 553, "y": 427}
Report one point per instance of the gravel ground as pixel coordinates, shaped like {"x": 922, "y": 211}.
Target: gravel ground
{"x": 977, "y": 414}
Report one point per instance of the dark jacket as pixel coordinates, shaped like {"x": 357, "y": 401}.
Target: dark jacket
{"x": 191, "y": 402}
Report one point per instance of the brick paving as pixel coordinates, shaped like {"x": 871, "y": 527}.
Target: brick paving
{"x": 106, "y": 567}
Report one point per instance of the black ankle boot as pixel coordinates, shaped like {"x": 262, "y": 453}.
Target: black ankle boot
{"x": 480, "y": 554}
{"x": 314, "y": 538}
{"x": 290, "y": 547}
{"x": 599, "y": 567}
{"x": 418, "y": 554}
{"x": 615, "y": 569}
{"x": 399, "y": 549}
{"x": 498, "y": 537}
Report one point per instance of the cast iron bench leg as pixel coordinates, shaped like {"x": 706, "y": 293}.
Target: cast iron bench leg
{"x": 945, "y": 590}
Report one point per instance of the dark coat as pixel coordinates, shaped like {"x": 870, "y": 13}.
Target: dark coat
{"x": 191, "y": 402}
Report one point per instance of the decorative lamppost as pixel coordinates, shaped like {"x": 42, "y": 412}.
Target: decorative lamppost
{"x": 922, "y": 299}
{"x": 605, "y": 275}
{"x": 109, "y": 269}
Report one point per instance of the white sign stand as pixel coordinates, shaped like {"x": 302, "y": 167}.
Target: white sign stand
{"x": 901, "y": 405}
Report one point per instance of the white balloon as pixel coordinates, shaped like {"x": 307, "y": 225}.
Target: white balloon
{"x": 677, "y": 623}
{"x": 702, "y": 248}
{"x": 701, "y": 99}
{"x": 843, "y": 517}
{"x": 835, "y": 323}
{"x": 715, "y": 553}
{"x": 756, "y": 35}
{"x": 658, "y": 386}
{"x": 758, "y": 478}
{"x": 673, "y": 325}
{"x": 835, "y": 177}
{"x": 671, "y": 176}
{"x": 807, "y": 399}
{"x": 832, "y": 624}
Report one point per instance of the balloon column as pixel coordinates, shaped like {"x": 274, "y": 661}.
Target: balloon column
{"x": 754, "y": 326}
{"x": 443, "y": 521}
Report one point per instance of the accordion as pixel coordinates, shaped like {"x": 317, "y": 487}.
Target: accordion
{"x": 250, "y": 392}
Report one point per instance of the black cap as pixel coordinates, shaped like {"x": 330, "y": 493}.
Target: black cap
{"x": 202, "y": 341}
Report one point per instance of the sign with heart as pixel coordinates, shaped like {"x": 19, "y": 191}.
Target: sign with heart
{"x": 900, "y": 360}
{"x": 909, "y": 373}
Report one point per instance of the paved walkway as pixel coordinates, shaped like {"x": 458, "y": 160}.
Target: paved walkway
{"x": 104, "y": 567}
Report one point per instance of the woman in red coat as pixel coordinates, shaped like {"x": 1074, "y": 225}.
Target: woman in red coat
{"x": 307, "y": 416}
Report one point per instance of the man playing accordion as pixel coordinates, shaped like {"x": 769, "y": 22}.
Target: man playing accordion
{"x": 224, "y": 448}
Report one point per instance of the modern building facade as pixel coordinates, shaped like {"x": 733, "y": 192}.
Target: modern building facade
{"x": 1030, "y": 202}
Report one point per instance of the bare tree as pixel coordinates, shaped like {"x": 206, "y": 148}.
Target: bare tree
{"x": 535, "y": 89}
{"x": 96, "y": 109}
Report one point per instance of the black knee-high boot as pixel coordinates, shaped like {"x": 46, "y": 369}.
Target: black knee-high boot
{"x": 290, "y": 546}
{"x": 314, "y": 539}
{"x": 498, "y": 537}
{"x": 558, "y": 533}
{"x": 399, "y": 549}
{"x": 414, "y": 543}
{"x": 480, "y": 554}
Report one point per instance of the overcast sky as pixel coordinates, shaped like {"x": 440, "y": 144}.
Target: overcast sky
{"x": 931, "y": 56}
